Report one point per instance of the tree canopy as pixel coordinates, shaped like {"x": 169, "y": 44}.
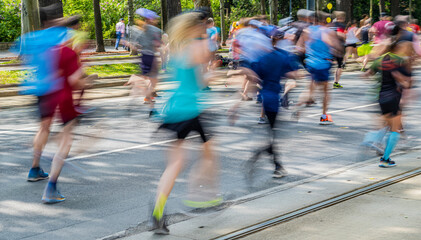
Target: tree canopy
{"x": 113, "y": 10}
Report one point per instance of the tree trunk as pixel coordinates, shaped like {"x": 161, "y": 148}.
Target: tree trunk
{"x": 382, "y": 7}
{"x": 59, "y": 10}
{"x": 222, "y": 13}
{"x": 263, "y": 7}
{"x": 203, "y": 4}
{"x": 30, "y": 16}
{"x": 130, "y": 23}
{"x": 170, "y": 9}
{"x": 98, "y": 27}
{"x": 345, "y": 6}
{"x": 394, "y": 7}
{"x": 130, "y": 12}
{"x": 273, "y": 9}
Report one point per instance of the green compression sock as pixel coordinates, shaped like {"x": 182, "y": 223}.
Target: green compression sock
{"x": 158, "y": 211}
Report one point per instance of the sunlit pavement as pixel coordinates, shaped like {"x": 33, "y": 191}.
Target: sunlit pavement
{"x": 117, "y": 159}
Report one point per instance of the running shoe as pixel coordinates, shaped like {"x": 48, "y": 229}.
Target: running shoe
{"x": 206, "y": 88}
{"x": 326, "y": 121}
{"x": 37, "y": 174}
{"x": 204, "y": 204}
{"x": 52, "y": 195}
{"x": 159, "y": 226}
{"x": 387, "y": 163}
{"x": 262, "y": 120}
{"x": 337, "y": 85}
{"x": 147, "y": 100}
{"x": 280, "y": 173}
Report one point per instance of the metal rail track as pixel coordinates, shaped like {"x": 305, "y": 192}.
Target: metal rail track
{"x": 247, "y": 231}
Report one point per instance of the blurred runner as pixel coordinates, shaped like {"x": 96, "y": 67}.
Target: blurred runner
{"x": 252, "y": 45}
{"x": 366, "y": 44}
{"x": 165, "y": 52}
{"x": 271, "y": 68}
{"x": 319, "y": 42}
{"x": 57, "y": 73}
{"x": 395, "y": 76}
{"x": 339, "y": 27}
{"x": 415, "y": 28}
{"x": 213, "y": 36}
{"x": 182, "y": 113}
{"x": 147, "y": 37}
{"x": 379, "y": 28}
{"x": 304, "y": 21}
{"x": 351, "y": 41}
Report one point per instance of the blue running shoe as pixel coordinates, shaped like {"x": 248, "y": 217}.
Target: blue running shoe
{"x": 37, "y": 174}
{"x": 386, "y": 163}
{"x": 52, "y": 195}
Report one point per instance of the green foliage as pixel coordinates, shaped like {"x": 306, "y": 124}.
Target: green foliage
{"x": 9, "y": 20}
{"x": 12, "y": 76}
{"x": 113, "y": 10}
{"x": 85, "y": 9}
{"x": 113, "y": 69}
{"x": 17, "y": 76}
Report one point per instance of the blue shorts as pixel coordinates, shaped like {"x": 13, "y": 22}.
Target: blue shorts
{"x": 319, "y": 75}
{"x": 270, "y": 101}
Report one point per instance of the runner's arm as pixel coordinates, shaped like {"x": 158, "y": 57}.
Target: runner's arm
{"x": 403, "y": 80}
{"x": 300, "y": 46}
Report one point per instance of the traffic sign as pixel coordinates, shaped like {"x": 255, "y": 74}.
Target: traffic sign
{"x": 329, "y": 6}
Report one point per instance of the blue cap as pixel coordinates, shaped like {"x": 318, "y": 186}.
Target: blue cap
{"x": 146, "y": 13}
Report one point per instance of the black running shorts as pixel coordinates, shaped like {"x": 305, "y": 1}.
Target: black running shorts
{"x": 390, "y": 105}
{"x": 185, "y": 127}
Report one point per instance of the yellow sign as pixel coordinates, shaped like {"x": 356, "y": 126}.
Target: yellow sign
{"x": 329, "y": 6}
{"x": 328, "y": 19}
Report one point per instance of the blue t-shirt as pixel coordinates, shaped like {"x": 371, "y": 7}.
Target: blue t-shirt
{"x": 39, "y": 51}
{"x": 271, "y": 68}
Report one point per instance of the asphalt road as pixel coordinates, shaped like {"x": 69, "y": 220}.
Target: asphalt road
{"x": 117, "y": 159}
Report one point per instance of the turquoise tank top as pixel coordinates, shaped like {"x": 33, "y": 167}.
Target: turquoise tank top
{"x": 184, "y": 104}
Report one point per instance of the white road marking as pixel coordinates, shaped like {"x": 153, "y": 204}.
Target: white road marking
{"x": 127, "y": 148}
{"x": 344, "y": 110}
{"x": 19, "y": 129}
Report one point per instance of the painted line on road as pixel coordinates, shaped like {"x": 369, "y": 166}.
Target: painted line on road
{"x": 344, "y": 110}
{"x": 221, "y": 102}
{"x": 127, "y": 148}
{"x": 19, "y": 129}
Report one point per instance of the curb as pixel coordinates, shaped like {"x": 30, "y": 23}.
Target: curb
{"x": 96, "y": 85}
{"x": 82, "y": 60}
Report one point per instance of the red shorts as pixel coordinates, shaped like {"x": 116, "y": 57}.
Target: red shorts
{"x": 62, "y": 99}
